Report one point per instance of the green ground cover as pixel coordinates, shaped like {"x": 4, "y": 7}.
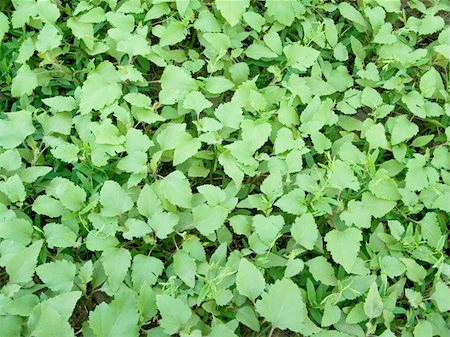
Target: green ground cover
{"x": 224, "y": 168}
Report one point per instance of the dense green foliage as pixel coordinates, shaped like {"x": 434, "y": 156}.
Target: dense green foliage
{"x": 224, "y": 168}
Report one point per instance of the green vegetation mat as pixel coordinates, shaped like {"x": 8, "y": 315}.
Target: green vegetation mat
{"x": 224, "y": 168}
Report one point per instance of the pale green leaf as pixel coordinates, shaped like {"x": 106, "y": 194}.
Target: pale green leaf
{"x": 282, "y": 305}
{"x": 249, "y": 280}
{"x": 344, "y": 246}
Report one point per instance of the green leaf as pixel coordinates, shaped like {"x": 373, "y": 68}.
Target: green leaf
{"x": 50, "y": 323}
{"x": 249, "y": 280}
{"x": 351, "y": 13}
{"x": 377, "y": 207}
{"x": 376, "y": 136}
{"x": 384, "y": 187}
{"x": 50, "y": 317}
{"x": 135, "y": 162}
{"x": 25, "y": 82}
{"x": 331, "y": 314}
{"x": 282, "y": 305}
{"x": 268, "y": 228}
{"x": 11, "y": 325}
{"x": 430, "y": 229}
{"x": 293, "y": 202}
{"x": 431, "y": 24}
{"x": 21, "y": 266}
{"x": 175, "y": 84}
{"x": 344, "y": 246}
{"x": 373, "y": 306}
{"x": 4, "y": 25}
{"x": 440, "y": 296}
{"x": 390, "y": 5}
{"x": 229, "y": 114}
{"x": 13, "y": 188}
{"x": 423, "y": 328}
{"x": 222, "y": 330}
{"x": 331, "y": 32}
{"x": 186, "y": 148}
{"x": 19, "y": 230}
{"x": 300, "y": 57}
{"x": 176, "y": 189}
{"x": 431, "y": 85}
{"x": 414, "y": 271}
{"x": 60, "y": 103}
{"x": 293, "y": 267}
{"x": 392, "y": 266}
{"x": 403, "y": 130}
{"x": 58, "y": 276}
{"x": 58, "y": 235}
{"x": 342, "y": 176}
{"x": 287, "y": 114}
{"x": 100, "y": 89}
{"x": 232, "y": 10}
{"x": 174, "y": 312}
{"x": 15, "y": 128}
{"x": 134, "y": 44}
{"x": 10, "y": 160}
{"x": 114, "y": 199}
{"x": 185, "y": 267}
{"x": 213, "y": 195}
{"x": 48, "y": 206}
{"x": 116, "y": 262}
{"x": 246, "y": 315}
{"x": 320, "y": 142}
{"x": 138, "y": 99}
{"x": 218, "y": 84}
{"x": 163, "y": 223}
{"x": 322, "y": 270}
{"x": 196, "y": 101}
{"x": 70, "y": 195}
{"x": 371, "y": 98}
{"x": 175, "y": 32}
{"x": 356, "y": 214}
{"x": 145, "y": 269}
{"x": 148, "y": 203}
{"x": 49, "y": 38}
{"x": 304, "y": 230}
{"x": 283, "y": 14}
{"x": 67, "y": 153}
{"x": 207, "y": 219}
{"x": 330, "y": 333}
{"x": 116, "y": 319}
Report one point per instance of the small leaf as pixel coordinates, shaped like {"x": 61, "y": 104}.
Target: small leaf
{"x": 322, "y": 270}
{"x": 282, "y": 305}
{"x": 304, "y": 230}
{"x": 207, "y": 219}
{"x": 174, "y": 312}
{"x": 118, "y": 318}
{"x": 25, "y": 82}
{"x": 249, "y": 280}
{"x": 185, "y": 267}
{"x": 344, "y": 246}
{"x": 4, "y": 25}
{"x": 114, "y": 199}
{"x": 58, "y": 276}
{"x": 441, "y": 295}
{"x": 376, "y": 136}
{"x": 373, "y": 306}
{"x": 300, "y": 57}
{"x": 116, "y": 262}
{"x": 232, "y": 10}
{"x": 176, "y": 189}
{"x": 21, "y": 266}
